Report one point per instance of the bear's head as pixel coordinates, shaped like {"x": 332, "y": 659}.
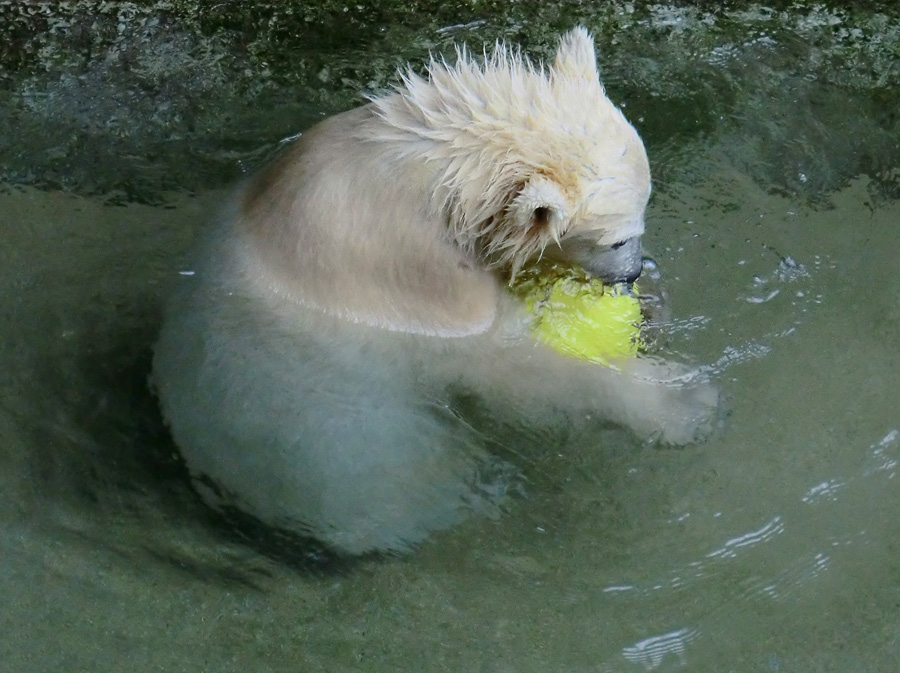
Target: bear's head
{"x": 527, "y": 158}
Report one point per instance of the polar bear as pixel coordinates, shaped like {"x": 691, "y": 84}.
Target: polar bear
{"x": 307, "y": 369}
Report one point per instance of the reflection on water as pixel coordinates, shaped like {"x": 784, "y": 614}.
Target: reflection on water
{"x": 772, "y": 547}
{"x": 650, "y": 651}
{"x": 730, "y": 549}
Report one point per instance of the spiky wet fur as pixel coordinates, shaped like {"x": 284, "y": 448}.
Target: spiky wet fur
{"x": 502, "y": 122}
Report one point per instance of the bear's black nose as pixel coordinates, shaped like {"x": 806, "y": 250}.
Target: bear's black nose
{"x": 633, "y": 275}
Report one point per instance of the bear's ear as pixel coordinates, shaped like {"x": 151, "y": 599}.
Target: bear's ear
{"x": 575, "y": 56}
{"x": 541, "y": 205}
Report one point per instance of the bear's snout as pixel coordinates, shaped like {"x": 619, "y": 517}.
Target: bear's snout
{"x": 620, "y": 262}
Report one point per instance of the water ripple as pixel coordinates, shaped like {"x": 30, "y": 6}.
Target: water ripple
{"x": 768, "y": 531}
{"x": 650, "y": 652}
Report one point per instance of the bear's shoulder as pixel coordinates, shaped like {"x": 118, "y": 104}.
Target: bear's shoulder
{"x": 339, "y": 223}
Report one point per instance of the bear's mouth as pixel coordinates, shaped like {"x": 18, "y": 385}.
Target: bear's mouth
{"x": 614, "y": 264}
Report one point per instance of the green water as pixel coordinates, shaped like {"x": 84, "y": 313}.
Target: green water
{"x": 773, "y": 136}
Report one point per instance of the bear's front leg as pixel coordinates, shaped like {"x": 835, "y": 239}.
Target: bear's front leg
{"x": 656, "y": 399}
{"x": 667, "y": 401}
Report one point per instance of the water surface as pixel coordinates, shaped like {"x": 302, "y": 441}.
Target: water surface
{"x": 772, "y": 547}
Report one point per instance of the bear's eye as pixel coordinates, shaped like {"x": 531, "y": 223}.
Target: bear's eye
{"x": 541, "y": 216}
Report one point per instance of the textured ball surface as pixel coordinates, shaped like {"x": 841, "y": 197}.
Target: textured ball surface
{"x": 579, "y": 315}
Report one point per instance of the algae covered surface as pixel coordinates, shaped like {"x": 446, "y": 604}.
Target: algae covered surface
{"x": 773, "y": 135}
{"x": 204, "y": 89}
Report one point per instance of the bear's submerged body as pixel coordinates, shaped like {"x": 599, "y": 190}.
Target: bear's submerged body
{"x": 307, "y": 368}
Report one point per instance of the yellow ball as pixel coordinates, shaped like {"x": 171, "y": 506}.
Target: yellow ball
{"x": 578, "y": 315}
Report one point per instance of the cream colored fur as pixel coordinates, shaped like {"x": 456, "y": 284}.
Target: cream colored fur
{"x": 509, "y": 137}
{"x": 309, "y": 367}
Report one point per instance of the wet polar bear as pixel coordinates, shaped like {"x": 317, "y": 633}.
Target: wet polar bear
{"x": 308, "y": 368}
